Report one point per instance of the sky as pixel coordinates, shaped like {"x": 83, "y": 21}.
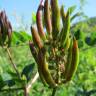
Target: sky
{"x": 20, "y": 11}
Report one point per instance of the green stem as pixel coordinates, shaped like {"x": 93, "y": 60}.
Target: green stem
{"x": 13, "y": 64}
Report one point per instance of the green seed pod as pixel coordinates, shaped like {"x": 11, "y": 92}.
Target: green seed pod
{"x": 67, "y": 44}
{"x": 74, "y": 61}
{"x": 39, "y": 21}
{"x": 63, "y": 14}
{"x": 55, "y": 18}
{"x": 47, "y": 17}
{"x": 35, "y": 55}
{"x": 69, "y": 59}
{"x": 66, "y": 29}
{"x": 45, "y": 70}
{"x": 36, "y": 38}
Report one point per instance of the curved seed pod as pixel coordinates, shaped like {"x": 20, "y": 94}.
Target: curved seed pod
{"x": 67, "y": 44}
{"x": 47, "y": 17}
{"x": 35, "y": 55}
{"x": 66, "y": 29}
{"x": 5, "y": 28}
{"x": 74, "y": 61}
{"x": 63, "y": 14}
{"x": 45, "y": 70}
{"x": 55, "y": 18}
{"x": 36, "y": 37}
{"x": 69, "y": 59}
{"x": 39, "y": 21}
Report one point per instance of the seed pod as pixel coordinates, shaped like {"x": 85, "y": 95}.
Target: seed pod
{"x": 9, "y": 33}
{"x": 47, "y": 17}
{"x": 63, "y": 14}
{"x": 39, "y": 21}
{"x": 5, "y": 28}
{"x": 67, "y": 44}
{"x": 33, "y": 50}
{"x": 45, "y": 70}
{"x": 35, "y": 55}
{"x": 66, "y": 29}
{"x": 69, "y": 59}
{"x": 55, "y": 18}
{"x": 74, "y": 61}
{"x": 36, "y": 37}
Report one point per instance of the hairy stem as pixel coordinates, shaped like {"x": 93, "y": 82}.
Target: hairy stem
{"x": 13, "y": 64}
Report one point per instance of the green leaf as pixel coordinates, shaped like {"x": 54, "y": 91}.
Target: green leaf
{"x": 2, "y": 83}
{"x": 78, "y": 14}
{"x": 12, "y": 74}
{"x": 20, "y": 37}
{"x": 28, "y": 70}
{"x": 10, "y": 83}
{"x": 72, "y": 8}
{"x": 33, "y": 18}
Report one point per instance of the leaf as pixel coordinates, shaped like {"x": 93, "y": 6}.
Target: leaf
{"x": 2, "y": 83}
{"x": 88, "y": 41}
{"x": 10, "y": 83}
{"x": 72, "y": 8}
{"x": 28, "y": 70}
{"x": 76, "y": 15}
{"x": 12, "y": 74}
{"x": 19, "y": 82}
{"x": 80, "y": 43}
{"x": 20, "y": 37}
{"x": 33, "y": 18}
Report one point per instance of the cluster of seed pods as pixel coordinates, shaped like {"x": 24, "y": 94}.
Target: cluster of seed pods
{"x": 5, "y": 30}
{"x": 56, "y": 50}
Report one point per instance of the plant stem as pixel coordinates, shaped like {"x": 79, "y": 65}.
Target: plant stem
{"x": 32, "y": 81}
{"x": 28, "y": 87}
{"x": 13, "y": 64}
{"x": 25, "y": 91}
